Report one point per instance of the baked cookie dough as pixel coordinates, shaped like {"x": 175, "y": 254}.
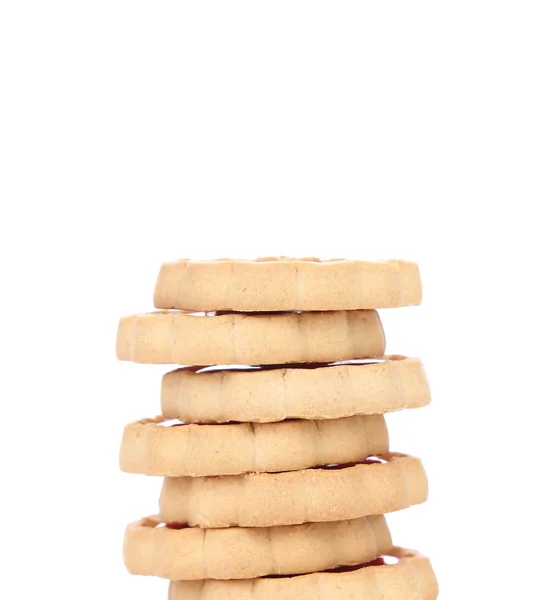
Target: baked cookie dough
{"x": 172, "y": 337}
{"x": 281, "y": 284}
{"x": 411, "y": 578}
{"x": 329, "y": 493}
{"x": 272, "y": 394}
{"x": 151, "y": 448}
{"x": 239, "y": 553}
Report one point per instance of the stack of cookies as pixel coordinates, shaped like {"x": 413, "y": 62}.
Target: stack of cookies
{"x": 272, "y": 440}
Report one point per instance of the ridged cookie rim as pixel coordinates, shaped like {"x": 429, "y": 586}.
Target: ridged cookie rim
{"x": 242, "y": 553}
{"x": 325, "y": 392}
{"x": 413, "y": 573}
{"x": 287, "y": 284}
{"x": 195, "y": 450}
{"x": 313, "y": 495}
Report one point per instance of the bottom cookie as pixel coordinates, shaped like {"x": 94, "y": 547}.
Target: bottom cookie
{"x": 411, "y": 578}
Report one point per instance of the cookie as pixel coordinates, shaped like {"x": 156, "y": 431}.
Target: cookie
{"x": 151, "y": 448}
{"x": 269, "y": 395}
{"x": 190, "y": 339}
{"x": 239, "y": 553}
{"x": 271, "y": 284}
{"x": 411, "y": 578}
{"x": 330, "y": 493}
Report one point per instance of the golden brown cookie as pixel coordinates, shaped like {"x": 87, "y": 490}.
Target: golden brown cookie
{"x": 151, "y": 448}
{"x": 271, "y": 284}
{"x": 271, "y": 394}
{"x": 189, "y": 339}
{"x": 411, "y": 578}
{"x": 332, "y": 493}
{"x": 240, "y": 553}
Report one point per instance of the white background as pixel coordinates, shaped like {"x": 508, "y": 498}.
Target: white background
{"x": 137, "y": 132}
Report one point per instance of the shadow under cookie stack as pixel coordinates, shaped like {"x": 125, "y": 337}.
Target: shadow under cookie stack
{"x": 272, "y": 440}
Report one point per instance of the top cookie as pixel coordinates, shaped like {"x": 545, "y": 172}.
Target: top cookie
{"x": 285, "y": 284}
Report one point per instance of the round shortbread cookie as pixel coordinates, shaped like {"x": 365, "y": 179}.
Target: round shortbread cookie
{"x": 190, "y": 339}
{"x": 240, "y": 553}
{"x": 151, "y": 448}
{"x": 271, "y": 284}
{"x": 411, "y": 578}
{"x": 269, "y": 395}
{"x": 331, "y": 493}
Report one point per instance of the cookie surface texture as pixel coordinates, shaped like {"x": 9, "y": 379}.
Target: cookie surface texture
{"x": 269, "y": 395}
{"x": 150, "y": 448}
{"x": 412, "y": 578}
{"x": 310, "y": 495}
{"x": 287, "y": 284}
{"x": 240, "y": 553}
{"x": 172, "y": 337}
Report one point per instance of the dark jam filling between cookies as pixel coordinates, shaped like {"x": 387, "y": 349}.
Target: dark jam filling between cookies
{"x": 175, "y": 526}
{"x": 178, "y": 423}
{"x": 370, "y": 460}
{"x": 378, "y": 562}
{"x": 308, "y": 365}
{"x": 223, "y": 313}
